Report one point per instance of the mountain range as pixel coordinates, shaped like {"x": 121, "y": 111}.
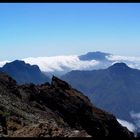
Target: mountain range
{"x": 112, "y": 86}
{"x": 89, "y": 61}
{"x": 24, "y": 73}
{"x": 53, "y": 110}
{"x": 115, "y": 89}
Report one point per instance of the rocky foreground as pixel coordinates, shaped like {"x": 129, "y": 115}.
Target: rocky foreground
{"x": 52, "y": 110}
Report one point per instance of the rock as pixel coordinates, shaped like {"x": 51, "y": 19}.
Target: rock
{"x": 54, "y": 110}
{"x": 57, "y": 83}
{"x": 3, "y": 125}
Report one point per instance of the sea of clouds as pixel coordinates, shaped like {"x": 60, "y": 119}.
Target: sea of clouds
{"x": 65, "y": 64}
{"x": 61, "y": 63}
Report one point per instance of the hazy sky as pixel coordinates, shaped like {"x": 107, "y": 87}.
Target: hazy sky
{"x": 64, "y": 29}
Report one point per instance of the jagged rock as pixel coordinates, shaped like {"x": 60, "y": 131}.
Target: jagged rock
{"x": 57, "y": 83}
{"x": 54, "y": 110}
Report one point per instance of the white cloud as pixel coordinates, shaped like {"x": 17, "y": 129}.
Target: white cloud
{"x": 133, "y": 62}
{"x": 72, "y": 62}
{"x": 61, "y": 63}
{"x": 127, "y": 124}
{"x": 136, "y": 118}
{"x": 123, "y": 58}
{"x": 3, "y": 63}
{"x": 135, "y": 115}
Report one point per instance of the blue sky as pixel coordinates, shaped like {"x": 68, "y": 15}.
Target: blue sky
{"x": 68, "y": 28}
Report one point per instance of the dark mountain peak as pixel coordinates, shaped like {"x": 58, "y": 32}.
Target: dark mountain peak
{"x": 56, "y": 82}
{"x": 119, "y": 66}
{"x": 94, "y": 56}
{"x": 14, "y": 65}
{"x": 19, "y": 64}
{"x": 15, "y": 62}
{"x": 24, "y": 73}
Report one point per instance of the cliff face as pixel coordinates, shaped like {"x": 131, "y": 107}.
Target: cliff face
{"x": 50, "y": 110}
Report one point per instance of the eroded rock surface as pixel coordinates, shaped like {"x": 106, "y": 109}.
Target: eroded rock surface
{"x": 53, "y": 110}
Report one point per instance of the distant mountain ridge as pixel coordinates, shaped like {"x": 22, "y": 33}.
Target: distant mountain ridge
{"x": 60, "y": 65}
{"x": 101, "y": 56}
{"x": 116, "y": 89}
{"x": 24, "y": 73}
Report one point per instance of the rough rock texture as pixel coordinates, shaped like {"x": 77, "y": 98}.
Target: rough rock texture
{"x": 52, "y": 110}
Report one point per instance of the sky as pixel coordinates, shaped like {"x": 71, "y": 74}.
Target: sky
{"x": 50, "y": 29}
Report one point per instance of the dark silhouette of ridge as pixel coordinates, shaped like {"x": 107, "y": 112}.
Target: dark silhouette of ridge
{"x": 24, "y": 73}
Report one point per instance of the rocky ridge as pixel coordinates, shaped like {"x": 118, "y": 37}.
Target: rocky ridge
{"x": 52, "y": 110}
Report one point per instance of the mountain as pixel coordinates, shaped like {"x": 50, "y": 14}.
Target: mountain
{"x": 100, "y": 56}
{"x": 52, "y": 110}
{"x": 60, "y": 65}
{"x": 24, "y": 73}
{"x": 115, "y": 89}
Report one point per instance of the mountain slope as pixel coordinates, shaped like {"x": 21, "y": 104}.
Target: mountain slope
{"x": 50, "y": 110}
{"x": 24, "y": 73}
{"x": 116, "y": 89}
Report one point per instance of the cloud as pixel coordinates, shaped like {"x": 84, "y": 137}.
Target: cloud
{"x": 136, "y": 118}
{"x": 127, "y": 124}
{"x": 3, "y": 63}
{"x": 61, "y": 63}
{"x": 133, "y": 62}
{"x": 72, "y": 62}
{"x": 123, "y": 58}
{"x": 135, "y": 115}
